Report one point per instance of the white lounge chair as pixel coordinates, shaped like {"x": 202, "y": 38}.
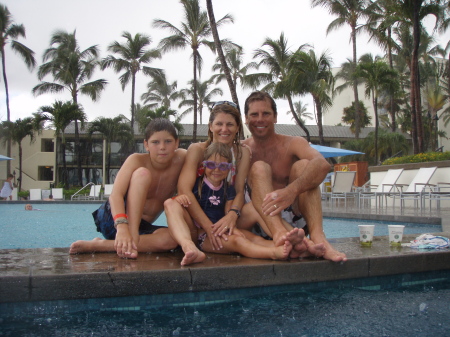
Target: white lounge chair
{"x": 417, "y": 188}
{"x": 108, "y": 190}
{"x": 35, "y": 194}
{"x": 383, "y": 189}
{"x": 440, "y": 192}
{"x": 343, "y": 186}
{"x": 57, "y": 194}
{"x": 94, "y": 193}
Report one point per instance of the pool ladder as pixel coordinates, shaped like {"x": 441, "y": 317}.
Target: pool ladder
{"x": 78, "y": 196}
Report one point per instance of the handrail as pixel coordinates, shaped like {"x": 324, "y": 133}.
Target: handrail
{"x": 88, "y": 184}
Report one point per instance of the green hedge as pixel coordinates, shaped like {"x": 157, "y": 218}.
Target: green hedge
{"x": 419, "y": 158}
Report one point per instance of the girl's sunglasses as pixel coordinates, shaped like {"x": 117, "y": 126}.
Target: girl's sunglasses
{"x": 212, "y": 165}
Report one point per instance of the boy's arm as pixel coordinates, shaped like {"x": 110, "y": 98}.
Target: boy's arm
{"x": 124, "y": 242}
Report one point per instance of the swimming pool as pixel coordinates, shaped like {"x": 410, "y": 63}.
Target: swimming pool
{"x": 400, "y": 305}
{"x": 58, "y": 225}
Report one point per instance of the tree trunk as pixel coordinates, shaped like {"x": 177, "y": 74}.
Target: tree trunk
{"x": 355, "y": 87}
{"x": 194, "y": 131}
{"x": 391, "y": 101}
{"x": 133, "y": 89}
{"x": 77, "y": 146}
{"x": 8, "y": 112}
{"x": 298, "y": 120}
{"x": 377, "y": 125}
{"x": 319, "y": 119}
{"x": 20, "y": 167}
{"x": 223, "y": 62}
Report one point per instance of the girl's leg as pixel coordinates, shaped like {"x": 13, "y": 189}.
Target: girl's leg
{"x": 183, "y": 231}
{"x": 244, "y": 246}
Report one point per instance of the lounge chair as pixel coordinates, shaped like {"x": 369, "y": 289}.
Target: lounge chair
{"x": 57, "y": 194}
{"x": 94, "y": 193}
{"x": 417, "y": 188}
{"x": 343, "y": 186}
{"x": 440, "y": 192}
{"x": 386, "y": 186}
{"x": 108, "y": 190}
{"x": 35, "y": 194}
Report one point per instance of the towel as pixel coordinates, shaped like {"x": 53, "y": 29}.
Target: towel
{"x": 428, "y": 241}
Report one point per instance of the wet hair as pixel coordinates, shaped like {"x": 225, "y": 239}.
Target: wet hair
{"x": 259, "y": 96}
{"x": 228, "y": 109}
{"x": 10, "y": 176}
{"x": 213, "y": 150}
{"x": 160, "y": 124}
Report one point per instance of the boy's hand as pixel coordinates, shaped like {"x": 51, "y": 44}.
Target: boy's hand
{"x": 183, "y": 200}
{"x": 124, "y": 244}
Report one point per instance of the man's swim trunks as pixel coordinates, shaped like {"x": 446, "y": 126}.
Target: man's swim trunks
{"x": 105, "y": 223}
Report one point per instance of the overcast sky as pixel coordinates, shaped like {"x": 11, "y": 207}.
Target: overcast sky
{"x": 100, "y": 22}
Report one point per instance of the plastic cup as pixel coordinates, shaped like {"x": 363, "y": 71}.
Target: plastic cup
{"x": 366, "y": 235}
{"x": 396, "y": 235}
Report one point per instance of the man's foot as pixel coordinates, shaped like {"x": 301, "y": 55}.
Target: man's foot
{"x": 81, "y": 246}
{"x": 192, "y": 255}
{"x": 297, "y": 238}
{"x": 282, "y": 252}
{"x": 332, "y": 254}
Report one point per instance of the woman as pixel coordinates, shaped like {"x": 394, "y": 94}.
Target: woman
{"x": 224, "y": 127}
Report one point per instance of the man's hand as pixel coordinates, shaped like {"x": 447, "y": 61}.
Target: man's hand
{"x": 275, "y": 202}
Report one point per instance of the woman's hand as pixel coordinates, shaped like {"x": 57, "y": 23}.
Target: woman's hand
{"x": 183, "y": 200}
{"x": 225, "y": 226}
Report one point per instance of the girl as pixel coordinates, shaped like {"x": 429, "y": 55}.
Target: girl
{"x": 216, "y": 198}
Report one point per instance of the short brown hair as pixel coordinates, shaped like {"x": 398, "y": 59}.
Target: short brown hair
{"x": 259, "y": 96}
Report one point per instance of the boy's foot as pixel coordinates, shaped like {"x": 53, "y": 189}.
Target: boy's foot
{"x": 82, "y": 246}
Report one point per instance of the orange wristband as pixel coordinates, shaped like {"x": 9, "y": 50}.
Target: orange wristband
{"x": 121, "y": 215}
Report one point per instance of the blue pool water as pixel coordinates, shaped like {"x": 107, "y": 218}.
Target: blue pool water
{"x": 400, "y": 305}
{"x": 58, "y": 225}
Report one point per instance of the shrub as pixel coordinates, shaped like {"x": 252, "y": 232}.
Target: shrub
{"x": 419, "y": 158}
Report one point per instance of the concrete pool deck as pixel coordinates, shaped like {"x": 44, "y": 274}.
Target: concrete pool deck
{"x": 53, "y": 274}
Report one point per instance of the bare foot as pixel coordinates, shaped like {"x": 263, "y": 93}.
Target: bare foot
{"x": 332, "y": 254}
{"x": 82, "y": 246}
{"x": 297, "y": 238}
{"x": 192, "y": 255}
{"x": 282, "y": 252}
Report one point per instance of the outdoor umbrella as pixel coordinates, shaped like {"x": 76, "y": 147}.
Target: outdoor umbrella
{"x": 328, "y": 152}
{"x": 4, "y": 157}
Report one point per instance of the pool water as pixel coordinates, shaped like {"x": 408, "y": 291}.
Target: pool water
{"x": 57, "y": 225}
{"x": 336, "y": 308}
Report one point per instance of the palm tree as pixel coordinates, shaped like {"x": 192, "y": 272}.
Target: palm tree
{"x": 348, "y": 12}
{"x": 301, "y": 112}
{"x": 194, "y": 33}
{"x": 238, "y": 71}
{"x": 277, "y": 58}
{"x": 132, "y": 55}
{"x": 8, "y": 33}
{"x": 160, "y": 92}
{"x": 205, "y": 98}
{"x": 145, "y": 115}
{"x": 222, "y": 59}
{"x": 111, "y": 129}
{"x": 313, "y": 75}
{"x": 61, "y": 114}
{"x": 378, "y": 77}
{"x": 70, "y": 68}
{"x": 15, "y": 132}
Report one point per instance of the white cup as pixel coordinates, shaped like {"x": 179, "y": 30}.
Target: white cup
{"x": 366, "y": 235}
{"x": 396, "y": 234}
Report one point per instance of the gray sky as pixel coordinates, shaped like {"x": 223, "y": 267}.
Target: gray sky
{"x": 100, "y": 22}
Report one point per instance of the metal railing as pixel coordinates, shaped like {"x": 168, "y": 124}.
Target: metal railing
{"x": 81, "y": 197}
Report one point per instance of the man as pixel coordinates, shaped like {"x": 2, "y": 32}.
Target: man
{"x": 285, "y": 173}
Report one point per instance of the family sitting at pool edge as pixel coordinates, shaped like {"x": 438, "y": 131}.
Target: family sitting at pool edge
{"x": 217, "y": 194}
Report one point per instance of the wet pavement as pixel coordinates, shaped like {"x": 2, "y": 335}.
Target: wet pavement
{"x": 53, "y": 274}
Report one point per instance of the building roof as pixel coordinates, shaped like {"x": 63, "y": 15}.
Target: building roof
{"x": 330, "y": 132}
